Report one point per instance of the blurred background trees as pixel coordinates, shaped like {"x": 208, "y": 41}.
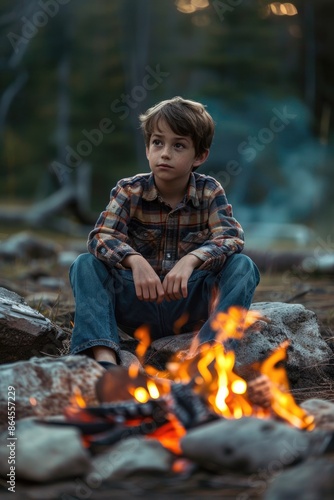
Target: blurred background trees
{"x": 75, "y": 75}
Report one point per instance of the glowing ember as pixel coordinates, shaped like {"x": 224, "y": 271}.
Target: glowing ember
{"x": 141, "y": 394}
{"x": 170, "y": 435}
{"x": 153, "y": 389}
{"x": 77, "y": 398}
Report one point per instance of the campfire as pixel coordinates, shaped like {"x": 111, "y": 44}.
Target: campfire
{"x": 196, "y": 388}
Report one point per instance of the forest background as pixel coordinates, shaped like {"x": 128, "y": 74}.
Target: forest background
{"x": 75, "y": 75}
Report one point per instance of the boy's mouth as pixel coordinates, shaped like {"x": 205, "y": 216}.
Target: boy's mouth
{"x": 164, "y": 165}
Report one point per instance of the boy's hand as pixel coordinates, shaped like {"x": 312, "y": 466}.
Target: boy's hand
{"x": 175, "y": 283}
{"x": 147, "y": 283}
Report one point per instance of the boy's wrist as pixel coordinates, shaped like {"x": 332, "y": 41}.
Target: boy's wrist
{"x": 193, "y": 260}
{"x": 129, "y": 260}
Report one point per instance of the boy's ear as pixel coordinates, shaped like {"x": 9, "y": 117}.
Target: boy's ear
{"x": 147, "y": 151}
{"x": 201, "y": 158}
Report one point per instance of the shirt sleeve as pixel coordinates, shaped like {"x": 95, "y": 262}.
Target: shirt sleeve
{"x": 226, "y": 234}
{"x": 108, "y": 240}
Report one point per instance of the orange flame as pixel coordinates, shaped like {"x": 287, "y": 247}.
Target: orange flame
{"x": 210, "y": 370}
{"x": 231, "y": 324}
{"x": 170, "y": 434}
{"x": 179, "y": 323}
{"x": 283, "y": 403}
{"x": 143, "y": 335}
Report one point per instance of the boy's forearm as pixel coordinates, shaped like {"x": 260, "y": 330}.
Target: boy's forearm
{"x": 130, "y": 260}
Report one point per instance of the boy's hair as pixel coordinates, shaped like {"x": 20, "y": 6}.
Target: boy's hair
{"x": 184, "y": 117}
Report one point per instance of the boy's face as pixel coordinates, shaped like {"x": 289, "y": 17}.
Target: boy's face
{"x": 171, "y": 157}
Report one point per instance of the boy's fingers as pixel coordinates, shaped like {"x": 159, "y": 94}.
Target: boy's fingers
{"x": 160, "y": 293}
{"x": 184, "y": 288}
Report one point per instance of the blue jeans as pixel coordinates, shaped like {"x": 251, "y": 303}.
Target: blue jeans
{"x": 106, "y": 298}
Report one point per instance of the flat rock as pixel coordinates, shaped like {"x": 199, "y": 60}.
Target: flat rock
{"x": 45, "y": 453}
{"x": 246, "y": 445}
{"x": 24, "y": 332}
{"x": 161, "y": 350}
{"x": 129, "y": 456}
{"x": 312, "y": 480}
{"x": 323, "y": 412}
{"x": 45, "y": 386}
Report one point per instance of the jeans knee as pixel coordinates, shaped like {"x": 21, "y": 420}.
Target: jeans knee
{"x": 248, "y": 267}
{"x": 80, "y": 261}
{"x": 239, "y": 266}
{"x": 86, "y": 265}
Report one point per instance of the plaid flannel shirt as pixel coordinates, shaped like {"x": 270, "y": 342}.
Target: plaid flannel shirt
{"x": 138, "y": 221}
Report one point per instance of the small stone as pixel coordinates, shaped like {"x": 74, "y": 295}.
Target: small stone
{"x": 323, "y": 412}
{"x": 66, "y": 258}
{"x": 25, "y": 245}
{"x": 312, "y": 480}
{"x": 129, "y": 456}
{"x": 51, "y": 282}
{"x": 245, "y": 445}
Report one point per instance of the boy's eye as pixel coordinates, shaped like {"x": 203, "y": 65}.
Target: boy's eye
{"x": 179, "y": 145}
{"x": 156, "y": 142}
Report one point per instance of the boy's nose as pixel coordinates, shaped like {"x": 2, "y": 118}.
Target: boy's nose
{"x": 165, "y": 153}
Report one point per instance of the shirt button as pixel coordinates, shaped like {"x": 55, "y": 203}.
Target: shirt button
{"x": 199, "y": 234}
{"x": 103, "y": 251}
{"x": 169, "y": 255}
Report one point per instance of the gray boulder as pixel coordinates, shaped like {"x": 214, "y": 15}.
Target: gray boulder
{"x": 250, "y": 444}
{"x": 309, "y": 355}
{"x": 44, "y": 453}
{"x": 322, "y": 411}
{"x": 45, "y": 386}
{"x": 24, "y": 332}
{"x": 313, "y": 480}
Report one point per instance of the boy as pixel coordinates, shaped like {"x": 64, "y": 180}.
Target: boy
{"x": 165, "y": 242}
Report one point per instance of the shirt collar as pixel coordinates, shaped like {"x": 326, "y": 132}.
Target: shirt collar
{"x": 151, "y": 193}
